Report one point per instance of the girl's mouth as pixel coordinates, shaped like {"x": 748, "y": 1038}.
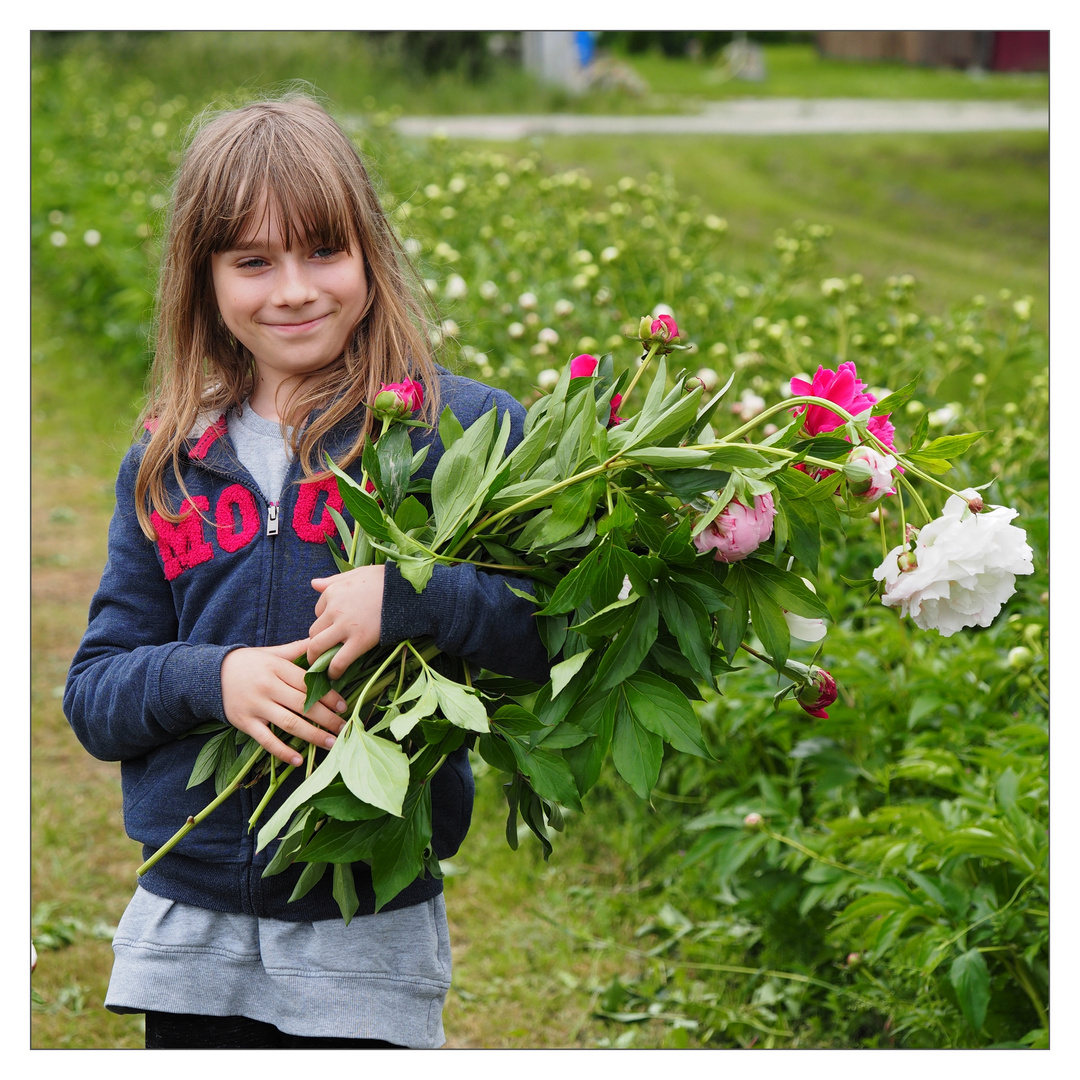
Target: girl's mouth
{"x": 297, "y": 327}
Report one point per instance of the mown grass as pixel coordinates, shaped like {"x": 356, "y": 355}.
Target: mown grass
{"x": 964, "y": 213}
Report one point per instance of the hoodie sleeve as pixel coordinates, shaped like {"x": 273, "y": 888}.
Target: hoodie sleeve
{"x": 468, "y": 612}
{"x": 132, "y": 685}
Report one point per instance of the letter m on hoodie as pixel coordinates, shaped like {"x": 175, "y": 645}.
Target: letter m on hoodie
{"x": 182, "y": 545}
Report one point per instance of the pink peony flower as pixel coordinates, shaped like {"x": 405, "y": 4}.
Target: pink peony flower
{"x": 584, "y": 366}
{"x": 396, "y": 400}
{"x": 817, "y": 694}
{"x": 869, "y": 473}
{"x": 739, "y": 530}
{"x": 844, "y": 388}
{"x": 962, "y": 570}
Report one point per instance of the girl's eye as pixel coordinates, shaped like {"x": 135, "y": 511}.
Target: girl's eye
{"x": 252, "y": 264}
{"x": 325, "y": 252}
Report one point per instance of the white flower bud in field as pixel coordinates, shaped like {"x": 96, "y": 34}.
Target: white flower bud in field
{"x": 548, "y": 336}
{"x": 833, "y": 286}
{"x": 456, "y": 288}
{"x": 609, "y": 253}
{"x": 91, "y": 238}
{"x": 753, "y": 822}
{"x": 527, "y": 300}
{"x": 547, "y": 378}
{"x": 709, "y": 378}
{"x": 515, "y": 330}
{"x": 58, "y": 239}
{"x": 1020, "y": 657}
{"x": 563, "y": 307}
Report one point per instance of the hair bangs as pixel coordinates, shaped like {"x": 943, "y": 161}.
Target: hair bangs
{"x": 278, "y": 167}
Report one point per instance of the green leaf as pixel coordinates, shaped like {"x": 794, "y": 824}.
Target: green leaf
{"x": 344, "y": 891}
{"x": 462, "y": 707}
{"x": 450, "y": 429}
{"x": 394, "y": 452}
{"x": 950, "y": 446}
{"x": 398, "y": 858}
{"x": 548, "y": 773}
{"x": 207, "y": 762}
{"x": 624, "y": 655}
{"x": 918, "y": 436}
{"x": 971, "y": 981}
{"x": 403, "y": 722}
{"x": 636, "y": 751}
{"x": 897, "y": 399}
{"x": 668, "y": 456}
{"x": 687, "y": 619}
{"x": 374, "y": 769}
{"x": 310, "y": 876}
{"x": 565, "y": 670}
{"x": 325, "y": 773}
{"x": 411, "y": 514}
{"x": 458, "y": 478}
{"x": 596, "y": 716}
{"x": 663, "y": 710}
{"x": 344, "y": 841}
{"x": 338, "y": 802}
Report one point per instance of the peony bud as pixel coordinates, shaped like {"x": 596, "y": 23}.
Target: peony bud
{"x": 665, "y": 328}
{"x": 738, "y": 530}
{"x": 976, "y": 505}
{"x": 397, "y": 400}
{"x": 854, "y": 959}
{"x": 818, "y": 693}
{"x": 753, "y": 822}
{"x": 869, "y": 473}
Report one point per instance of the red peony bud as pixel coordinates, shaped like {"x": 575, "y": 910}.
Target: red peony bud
{"x": 815, "y": 695}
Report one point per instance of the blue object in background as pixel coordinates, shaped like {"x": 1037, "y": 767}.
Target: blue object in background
{"x": 586, "y": 46}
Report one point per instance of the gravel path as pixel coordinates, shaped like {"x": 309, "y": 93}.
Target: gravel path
{"x": 763, "y": 116}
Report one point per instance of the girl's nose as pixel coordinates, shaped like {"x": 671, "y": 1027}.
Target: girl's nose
{"x": 294, "y": 285}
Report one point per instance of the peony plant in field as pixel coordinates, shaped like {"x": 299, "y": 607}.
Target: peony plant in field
{"x": 661, "y": 554}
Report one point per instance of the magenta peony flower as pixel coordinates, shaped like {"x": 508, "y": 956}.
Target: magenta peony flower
{"x": 815, "y": 695}
{"x": 739, "y": 530}
{"x": 665, "y": 328}
{"x": 584, "y": 366}
{"x": 396, "y": 400}
{"x": 848, "y": 391}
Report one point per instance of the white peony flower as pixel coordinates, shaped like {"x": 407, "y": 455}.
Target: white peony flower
{"x": 965, "y": 567}
{"x": 809, "y": 630}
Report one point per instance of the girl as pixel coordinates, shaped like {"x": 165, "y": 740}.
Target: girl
{"x": 284, "y": 304}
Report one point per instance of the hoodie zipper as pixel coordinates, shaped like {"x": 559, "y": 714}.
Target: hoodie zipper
{"x": 272, "y": 519}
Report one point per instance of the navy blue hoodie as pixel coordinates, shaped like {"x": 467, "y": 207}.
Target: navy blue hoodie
{"x": 148, "y": 669}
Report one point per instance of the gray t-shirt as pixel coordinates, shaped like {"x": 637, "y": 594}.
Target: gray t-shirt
{"x": 261, "y": 447}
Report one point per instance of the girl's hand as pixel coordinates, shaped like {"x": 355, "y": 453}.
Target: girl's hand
{"x": 348, "y": 612}
{"x": 263, "y": 686}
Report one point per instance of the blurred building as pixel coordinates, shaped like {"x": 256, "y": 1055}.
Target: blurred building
{"x": 991, "y": 50}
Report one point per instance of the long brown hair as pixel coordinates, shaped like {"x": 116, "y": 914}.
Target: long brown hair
{"x": 291, "y": 152}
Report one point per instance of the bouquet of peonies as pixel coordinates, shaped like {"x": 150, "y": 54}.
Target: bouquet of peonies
{"x": 659, "y": 550}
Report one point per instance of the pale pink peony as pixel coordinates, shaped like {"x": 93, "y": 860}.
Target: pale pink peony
{"x": 962, "y": 570}
{"x": 739, "y": 530}
{"x": 844, "y": 388}
{"x": 816, "y": 695}
{"x": 396, "y": 400}
{"x": 869, "y": 473}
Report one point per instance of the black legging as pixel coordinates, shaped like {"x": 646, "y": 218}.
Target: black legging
{"x": 186, "y": 1031}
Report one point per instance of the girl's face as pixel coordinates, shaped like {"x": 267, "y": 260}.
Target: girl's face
{"x": 293, "y": 308}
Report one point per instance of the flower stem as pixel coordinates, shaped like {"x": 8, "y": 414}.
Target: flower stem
{"x": 202, "y": 814}
{"x": 646, "y": 360}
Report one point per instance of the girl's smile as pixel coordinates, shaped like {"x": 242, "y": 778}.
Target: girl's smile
{"x": 293, "y": 308}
